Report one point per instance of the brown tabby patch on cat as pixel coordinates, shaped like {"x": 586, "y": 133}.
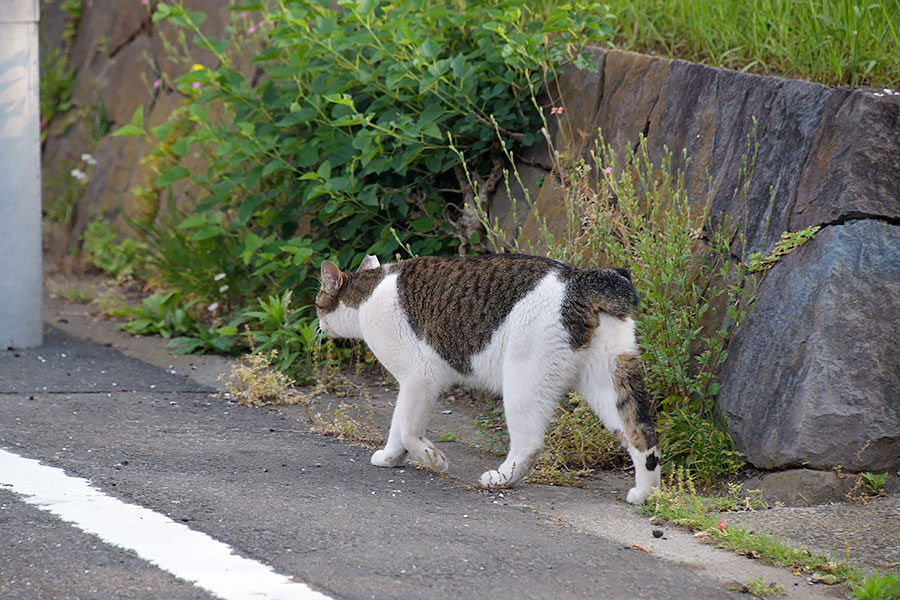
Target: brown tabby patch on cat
{"x": 360, "y": 286}
{"x": 456, "y": 304}
{"x": 590, "y": 291}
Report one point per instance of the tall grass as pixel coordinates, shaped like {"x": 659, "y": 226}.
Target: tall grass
{"x": 835, "y": 42}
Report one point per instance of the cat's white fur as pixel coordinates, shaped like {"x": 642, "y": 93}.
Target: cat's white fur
{"x": 529, "y": 361}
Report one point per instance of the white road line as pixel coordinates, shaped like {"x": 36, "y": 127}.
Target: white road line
{"x": 189, "y": 555}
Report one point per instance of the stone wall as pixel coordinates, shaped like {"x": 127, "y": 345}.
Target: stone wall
{"x": 813, "y": 375}
{"x": 117, "y": 54}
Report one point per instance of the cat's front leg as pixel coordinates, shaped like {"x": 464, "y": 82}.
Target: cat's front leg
{"x": 387, "y": 457}
{"x": 407, "y": 437}
{"x": 394, "y": 452}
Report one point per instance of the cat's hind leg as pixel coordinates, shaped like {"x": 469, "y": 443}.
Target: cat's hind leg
{"x": 612, "y": 383}
{"x": 407, "y": 435}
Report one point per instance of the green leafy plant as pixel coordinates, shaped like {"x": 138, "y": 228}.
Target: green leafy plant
{"x": 57, "y": 75}
{"x": 334, "y": 140}
{"x": 169, "y": 315}
{"x": 491, "y": 425}
{"x": 875, "y": 482}
{"x": 877, "y": 586}
{"x": 289, "y": 331}
{"x": 788, "y": 242}
{"x": 106, "y": 251}
{"x": 57, "y": 78}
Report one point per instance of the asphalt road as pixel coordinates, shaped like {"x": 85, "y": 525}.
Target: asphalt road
{"x": 309, "y": 507}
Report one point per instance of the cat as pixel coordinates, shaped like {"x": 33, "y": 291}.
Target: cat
{"x": 526, "y": 327}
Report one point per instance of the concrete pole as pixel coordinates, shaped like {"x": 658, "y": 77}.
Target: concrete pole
{"x": 21, "y": 324}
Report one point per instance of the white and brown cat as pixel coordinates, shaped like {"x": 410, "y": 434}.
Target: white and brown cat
{"x": 525, "y": 327}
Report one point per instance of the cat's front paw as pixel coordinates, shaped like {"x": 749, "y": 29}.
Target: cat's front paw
{"x": 494, "y": 480}
{"x": 382, "y": 458}
{"x": 637, "y": 495}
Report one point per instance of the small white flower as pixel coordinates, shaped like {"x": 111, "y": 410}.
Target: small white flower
{"x": 89, "y": 159}
{"x": 223, "y": 288}
{"x": 212, "y": 307}
{"x": 219, "y": 277}
{"x": 79, "y": 174}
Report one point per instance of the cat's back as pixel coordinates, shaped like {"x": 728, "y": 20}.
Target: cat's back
{"x": 468, "y": 288}
{"x": 457, "y": 304}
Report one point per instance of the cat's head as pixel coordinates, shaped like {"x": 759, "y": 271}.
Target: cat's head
{"x": 340, "y": 294}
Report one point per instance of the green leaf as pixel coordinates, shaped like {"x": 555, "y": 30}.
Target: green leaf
{"x": 302, "y": 256}
{"x": 195, "y": 17}
{"x": 308, "y": 156}
{"x": 227, "y": 330}
{"x": 252, "y": 243}
{"x": 194, "y": 221}
{"x": 129, "y": 130}
{"x": 299, "y": 116}
{"x": 429, "y": 48}
{"x": 355, "y": 119}
{"x": 205, "y": 233}
{"x": 432, "y": 130}
{"x": 343, "y": 99}
{"x": 162, "y": 131}
{"x": 180, "y": 147}
{"x": 272, "y": 166}
{"x": 423, "y": 224}
{"x": 171, "y": 175}
{"x": 325, "y": 26}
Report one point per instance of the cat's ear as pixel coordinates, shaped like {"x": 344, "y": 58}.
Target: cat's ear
{"x": 369, "y": 262}
{"x": 332, "y": 278}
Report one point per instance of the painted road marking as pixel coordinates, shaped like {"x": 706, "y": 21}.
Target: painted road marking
{"x": 189, "y": 555}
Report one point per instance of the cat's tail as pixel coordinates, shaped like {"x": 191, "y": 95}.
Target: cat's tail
{"x": 607, "y": 290}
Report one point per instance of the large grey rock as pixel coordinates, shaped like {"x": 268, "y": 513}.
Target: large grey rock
{"x": 815, "y": 371}
{"x": 813, "y": 374}
{"x": 853, "y": 169}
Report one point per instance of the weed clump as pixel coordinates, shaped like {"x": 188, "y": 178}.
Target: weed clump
{"x": 348, "y": 423}
{"x": 576, "y": 445}
{"x": 253, "y": 381}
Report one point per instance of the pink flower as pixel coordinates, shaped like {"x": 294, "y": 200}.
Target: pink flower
{"x": 721, "y": 525}
{"x": 196, "y": 85}
{"x": 143, "y": 2}
{"x": 251, "y": 29}
{"x": 156, "y": 84}
{"x": 607, "y": 170}
{"x": 557, "y": 110}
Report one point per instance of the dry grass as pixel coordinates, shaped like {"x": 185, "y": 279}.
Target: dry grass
{"x": 253, "y": 381}
{"x": 576, "y": 446}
